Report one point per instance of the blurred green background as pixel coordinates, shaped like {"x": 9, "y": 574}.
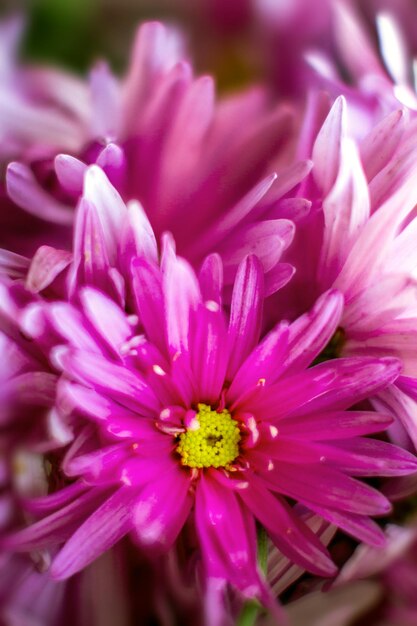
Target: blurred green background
{"x": 74, "y": 33}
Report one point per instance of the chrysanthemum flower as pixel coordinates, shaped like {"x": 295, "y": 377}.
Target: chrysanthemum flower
{"x": 162, "y": 139}
{"x": 182, "y": 415}
{"x": 360, "y": 240}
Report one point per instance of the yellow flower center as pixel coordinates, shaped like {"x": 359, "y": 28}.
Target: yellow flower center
{"x": 212, "y": 441}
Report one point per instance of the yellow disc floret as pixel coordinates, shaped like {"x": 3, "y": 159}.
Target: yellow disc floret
{"x": 213, "y": 441}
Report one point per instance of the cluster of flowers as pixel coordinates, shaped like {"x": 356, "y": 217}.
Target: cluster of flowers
{"x": 208, "y": 320}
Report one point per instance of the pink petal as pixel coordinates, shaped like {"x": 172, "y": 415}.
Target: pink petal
{"x": 345, "y": 209}
{"x": 326, "y": 487}
{"x": 327, "y": 148}
{"x": 267, "y": 240}
{"x": 211, "y": 278}
{"x": 107, "y": 319}
{"x": 358, "y": 526}
{"x": 208, "y": 357}
{"x": 149, "y": 300}
{"x": 106, "y": 98}
{"x": 333, "y": 385}
{"x": 25, "y": 191}
{"x": 263, "y": 364}
{"x": 106, "y": 377}
{"x": 110, "y": 209}
{"x": 107, "y": 525}
{"x": 379, "y": 146}
{"x": 290, "y": 534}
{"x": 181, "y": 294}
{"x": 228, "y": 544}
{"x": 334, "y": 425}
{"x": 162, "y": 509}
{"x": 45, "y": 267}
{"x": 70, "y": 173}
{"x": 245, "y": 312}
{"x": 57, "y": 527}
{"x": 311, "y": 332}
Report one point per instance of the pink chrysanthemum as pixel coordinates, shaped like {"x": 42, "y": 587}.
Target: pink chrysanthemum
{"x": 163, "y": 138}
{"x": 181, "y": 415}
{"x": 359, "y": 239}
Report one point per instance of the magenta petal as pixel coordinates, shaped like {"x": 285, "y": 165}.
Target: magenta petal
{"x": 137, "y": 238}
{"x": 107, "y": 318}
{"x": 92, "y": 263}
{"x": 278, "y": 277}
{"x": 109, "y": 206}
{"x": 208, "y": 358}
{"x": 70, "y": 172}
{"x": 326, "y": 487}
{"x": 358, "y": 526}
{"x": 149, "y": 300}
{"x": 24, "y": 190}
{"x": 13, "y": 265}
{"x": 294, "y": 538}
{"x": 246, "y": 312}
{"x": 117, "y": 420}
{"x": 267, "y": 240}
{"x": 58, "y": 526}
{"x": 231, "y": 220}
{"x": 401, "y": 405}
{"x": 100, "y": 466}
{"x": 369, "y": 457}
{"x": 162, "y": 509}
{"x": 263, "y": 365}
{"x": 311, "y": 332}
{"x": 105, "y": 93}
{"x": 107, "y": 525}
{"x": 108, "y": 378}
{"x": 345, "y": 209}
{"x": 181, "y": 294}
{"x": 211, "y": 278}
{"x": 46, "y": 265}
{"x": 327, "y": 148}
{"x": 331, "y": 385}
{"x": 69, "y": 323}
{"x": 379, "y": 146}
{"x": 326, "y": 426}
{"x": 47, "y": 504}
{"x": 226, "y": 535}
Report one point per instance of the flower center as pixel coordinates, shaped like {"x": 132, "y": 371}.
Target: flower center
{"x": 213, "y": 441}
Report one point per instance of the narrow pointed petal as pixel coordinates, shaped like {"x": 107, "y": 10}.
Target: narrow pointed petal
{"x": 263, "y": 365}
{"x": 331, "y": 425}
{"x": 181, "y": 295}
{"x": 162, "y": 510}
{"x": 107, "y": 525}
{"x": 70, "y": 173}
{"x": 229, "y": 547}
{"x": 290, "y": 534}
{"x": 45, "y": 267}
{"x": 106, "y": 377}
{"x": 24, "y": 190}
{"x": 311, "y": 332}
{"x": 107, "y": 318}
{"x": 346, "y": 209}
{"x": 379, "y": 146}
{"x": 245, "y": 313}
{"x": 327, "y": 148}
